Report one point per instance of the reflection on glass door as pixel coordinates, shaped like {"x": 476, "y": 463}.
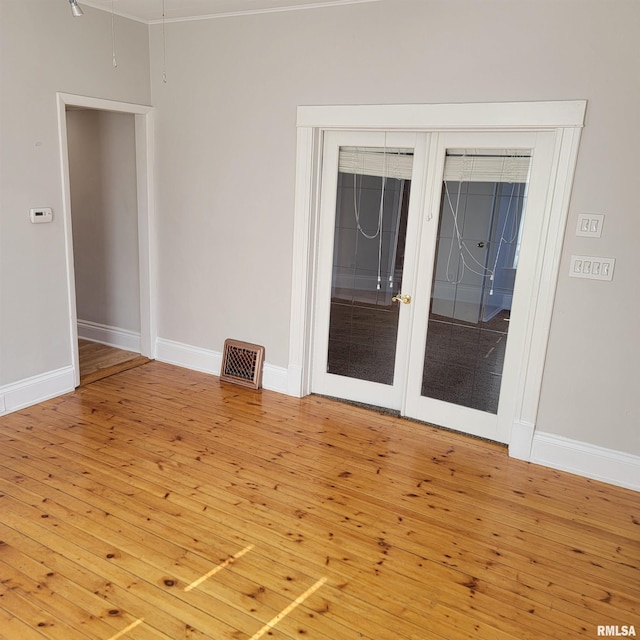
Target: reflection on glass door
{"x": 479, "y": 235}
{"x": 368, "y": 256}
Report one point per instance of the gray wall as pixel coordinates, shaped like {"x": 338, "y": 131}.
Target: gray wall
{"x": 102, "y": 173}
{"x": 43, "y": 49}
{"x": 226, "y": 164}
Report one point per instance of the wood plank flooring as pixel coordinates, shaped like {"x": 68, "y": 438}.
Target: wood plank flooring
{"x": 161, "y": 504}
{"x": 99, "y": 361}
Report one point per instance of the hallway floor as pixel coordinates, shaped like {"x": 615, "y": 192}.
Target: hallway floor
{"x": 99, "y": 361}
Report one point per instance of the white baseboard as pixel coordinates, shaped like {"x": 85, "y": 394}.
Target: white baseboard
{"x": 590, "y": 461}
{"x": 208, "y": 361}
{"x": 521, "y": 440}
{"x": 30, "y": 391}
{"x": 275, "y": 378}
{"x": 294, "y": 381}
{"x": 183, "y": 355}
{"x": 112, "y": 336}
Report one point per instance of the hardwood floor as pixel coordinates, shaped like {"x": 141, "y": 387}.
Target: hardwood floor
{"x": 99, "y": 360}
{"x": 160, "y": 504}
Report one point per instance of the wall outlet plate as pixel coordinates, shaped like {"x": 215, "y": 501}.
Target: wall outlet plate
{"x": 41, "y": 215}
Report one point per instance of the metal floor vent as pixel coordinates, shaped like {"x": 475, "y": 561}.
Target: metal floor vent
{"x": 242, "y": 363}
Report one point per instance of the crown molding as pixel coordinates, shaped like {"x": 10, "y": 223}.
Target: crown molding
{"x": 319, "y": 4}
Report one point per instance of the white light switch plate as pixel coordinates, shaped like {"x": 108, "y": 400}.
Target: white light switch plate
{"x": 592, "y": 267}
{"x": 590, "y": 225}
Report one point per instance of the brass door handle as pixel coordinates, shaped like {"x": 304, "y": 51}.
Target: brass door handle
{"x": 404, "y": 298}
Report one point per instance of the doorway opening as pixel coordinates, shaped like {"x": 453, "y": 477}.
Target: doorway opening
{"x": 106, "y": 153}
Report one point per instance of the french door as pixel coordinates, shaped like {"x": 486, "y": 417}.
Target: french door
{"x": 426, "y": 243}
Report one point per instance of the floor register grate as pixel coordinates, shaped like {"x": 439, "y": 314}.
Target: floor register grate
{"x": 242, "y": 363}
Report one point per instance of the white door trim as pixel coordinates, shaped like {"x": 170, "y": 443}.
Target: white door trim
{"x": 566, "y": 118}
{"x": 144, "y": 138}
{"x": 494, "y": 116}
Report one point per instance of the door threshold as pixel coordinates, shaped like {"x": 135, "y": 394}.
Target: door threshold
{"x": 107, "y": 372}
{"x": 363, "y": 405}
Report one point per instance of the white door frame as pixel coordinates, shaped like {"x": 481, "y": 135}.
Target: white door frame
{"x": 144, "y": 128}
{"x": 565, "y": 119}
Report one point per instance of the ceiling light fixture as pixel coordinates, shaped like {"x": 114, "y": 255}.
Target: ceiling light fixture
{"x": 75, "y": 9}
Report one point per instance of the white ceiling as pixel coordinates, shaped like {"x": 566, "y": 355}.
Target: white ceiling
{"x": 150, "y": 11}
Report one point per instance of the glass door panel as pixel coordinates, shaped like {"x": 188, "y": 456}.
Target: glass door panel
{"x": 368, "y": 257}
{"x": 361, "y": 334}
{"x": 477, "y": 248}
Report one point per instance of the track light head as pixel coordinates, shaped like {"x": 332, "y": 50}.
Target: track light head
{"x": 75, "y": 9}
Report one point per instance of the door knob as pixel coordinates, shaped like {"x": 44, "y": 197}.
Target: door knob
{"x": 481, "y": 245}
{"x": 404, "y": 298}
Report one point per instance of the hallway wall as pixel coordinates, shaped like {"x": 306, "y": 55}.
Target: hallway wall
{"x": 102, "y": 169}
